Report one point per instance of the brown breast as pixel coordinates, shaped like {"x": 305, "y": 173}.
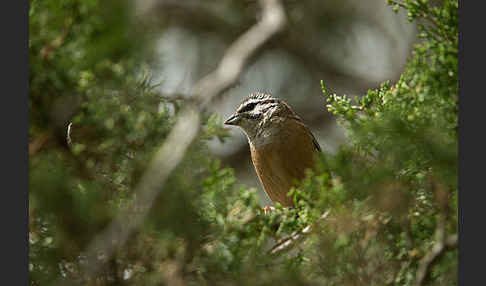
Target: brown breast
{"x": 283, "y": 161}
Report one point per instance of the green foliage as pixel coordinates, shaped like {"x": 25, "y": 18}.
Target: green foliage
{"x": 402, "y": 159}
{"x": 386, "y": 191}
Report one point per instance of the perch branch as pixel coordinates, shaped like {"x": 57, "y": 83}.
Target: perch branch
{"x": 442, "y": 244}
{"x": 289, "y": 242}
{"x": 184, "y": 132}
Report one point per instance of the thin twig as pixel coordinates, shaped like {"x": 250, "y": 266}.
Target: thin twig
{"x": 289, "y": 242}
{"x": 442, "y": 244}
{"x": 182, "y": 135}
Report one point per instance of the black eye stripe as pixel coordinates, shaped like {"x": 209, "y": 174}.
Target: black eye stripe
{"x": 248, "y": 107}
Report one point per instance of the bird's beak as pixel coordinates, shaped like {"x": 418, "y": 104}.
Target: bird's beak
{"x": 234, "y": 119}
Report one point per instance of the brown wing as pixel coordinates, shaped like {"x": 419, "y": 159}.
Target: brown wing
{"x": 282, "y": 162}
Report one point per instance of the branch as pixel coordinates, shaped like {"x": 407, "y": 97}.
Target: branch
{"x": 183, "y": 134}
{"x": 289, "y": 242}
{"x": 295, "y": 40}
{"x": 442, "y": 244}
{"x": 238, "y": 54}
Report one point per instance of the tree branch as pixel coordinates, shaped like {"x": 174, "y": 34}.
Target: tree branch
{"x": 184, "y": 132}
{"x": 442, "y": 244}
{"x": 289, "y": 242}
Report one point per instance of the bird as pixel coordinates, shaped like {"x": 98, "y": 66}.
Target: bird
{"x": 282, "y": 147}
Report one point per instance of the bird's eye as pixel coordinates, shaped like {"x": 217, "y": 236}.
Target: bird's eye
{"x": 248, "y": 107}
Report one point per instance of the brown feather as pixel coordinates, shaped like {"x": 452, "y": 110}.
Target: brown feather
{"x": 283, "y": 161}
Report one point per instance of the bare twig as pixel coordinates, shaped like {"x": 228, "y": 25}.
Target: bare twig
{"x": 289, "y": 242}
{"x": 442, "y": 244}
{"x": 184, "y": 132}
{"x": 298, "y": 40}
{"x": 237, "y": 55}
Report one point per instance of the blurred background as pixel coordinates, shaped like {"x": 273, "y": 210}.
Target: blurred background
{"x": 353, "y": 45}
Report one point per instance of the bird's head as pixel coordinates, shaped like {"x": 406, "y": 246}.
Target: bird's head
{"x": 259, "y": 112}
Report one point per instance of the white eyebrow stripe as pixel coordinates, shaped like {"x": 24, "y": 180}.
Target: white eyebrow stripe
{"x": 248, "y": 102}
{"x": 253, "y": 101}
